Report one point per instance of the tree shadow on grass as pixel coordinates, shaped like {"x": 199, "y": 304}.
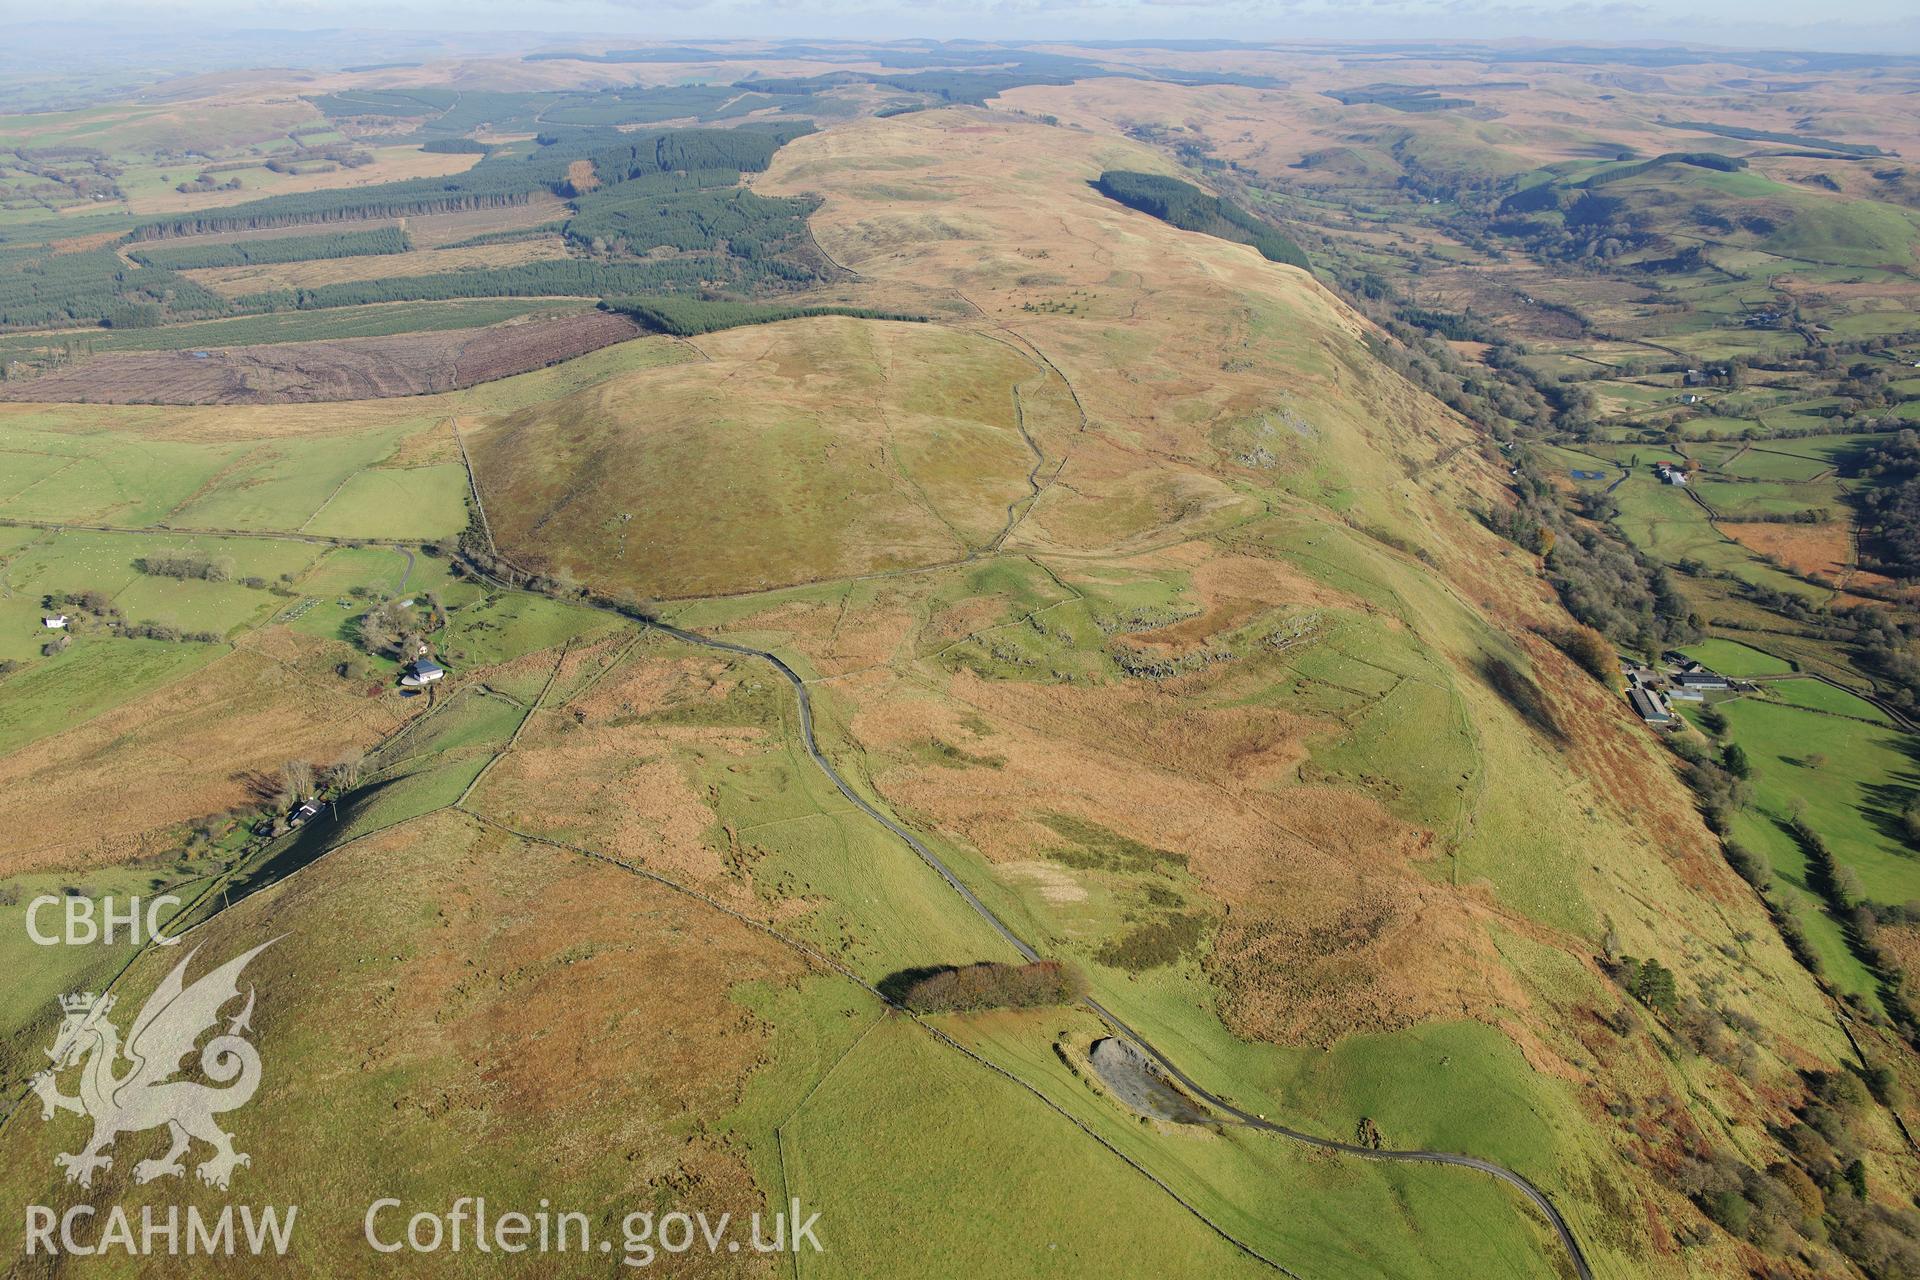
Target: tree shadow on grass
{"x": 895, "y": 986}
{"x": 1519, "y": 691}
{"x": 308, "y": 843}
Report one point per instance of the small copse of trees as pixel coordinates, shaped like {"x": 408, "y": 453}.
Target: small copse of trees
{"x": 185, "y": 568}
{"x": 975, "y": 987}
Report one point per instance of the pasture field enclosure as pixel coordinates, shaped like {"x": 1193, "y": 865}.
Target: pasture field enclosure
{"x": 1667, "y": 524}
{"x": 89, "y": 678}
{"x": 1763, "y": 463}
{"x": 1817, "y": 695}
{"x": 160, "y": 468}
{"x": 1732, "y": 658}
{"x": 414, "y": 504}
{"x": 1847, "y": 776}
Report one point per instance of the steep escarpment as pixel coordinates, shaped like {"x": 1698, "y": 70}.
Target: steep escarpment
{"x": 1395, "y": 812}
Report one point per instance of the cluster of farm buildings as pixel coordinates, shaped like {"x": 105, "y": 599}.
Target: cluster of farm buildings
{"x": 1652, "y": 692}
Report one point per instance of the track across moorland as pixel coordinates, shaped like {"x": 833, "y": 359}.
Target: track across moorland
{"x": 1538, "y": 1198}
{"x": 1532, "y": 1193}
{"x": 810, "y": 741}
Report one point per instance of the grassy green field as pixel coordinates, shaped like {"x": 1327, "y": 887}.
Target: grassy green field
{"x": 409, "y": 504}
{"x": 1825, "y": 935}
{"x": 1669, "y": 526}
{"x": 1777, "y": 464}
{"x": 1406, "y": 693}
{"x": 37, "y": 973}
{"x": 88, "y": 678}
{"x": 1831, "y": 449}
{"x": 1766, "y": 497}
{"x": 122, "y": 476}
{"x": 1731, "y": 658}
{"x": 505, "y": 627}
{"x": 341, "y": 569}
{"x": 97, "y": 478}
{"x": 283, "y": 486}
{"x": 896, "y": 1082}
{"x": 330, "y": 484}
{"x": 1816, "y": 695}
{"x": 217, "y": 607}
{"x": 1851, "y": 779}
{"x": 1224, "y": 1171}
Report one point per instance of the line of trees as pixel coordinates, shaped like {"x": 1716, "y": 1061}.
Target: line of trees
{"x": 564, "y": 278}
{"x": 1890, "y": 507}
{"x": 688, "y": 317}
{"x": 1840, "y": 885}
{"x": 1191, "y": 209}
{"x": 489, "y": 184}
{"x": 340, "y": 244}
{"x": 509, "y": 235}
{"x": 185, "y": 567}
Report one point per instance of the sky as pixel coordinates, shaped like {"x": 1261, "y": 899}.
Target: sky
{"x": 1859, "y": 25}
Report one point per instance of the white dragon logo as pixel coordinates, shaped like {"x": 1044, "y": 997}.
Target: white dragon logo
{"x": 145, "y": 1096}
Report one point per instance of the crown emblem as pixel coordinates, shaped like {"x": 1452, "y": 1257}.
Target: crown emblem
{"x": 146, "y": 1093}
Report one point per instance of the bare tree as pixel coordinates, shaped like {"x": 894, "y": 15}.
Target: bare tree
{"x": 393, "y": 630}
{"x": 345, "y": 771}
{"x": 297, "y": 775}
{"x": 377, "y": 631}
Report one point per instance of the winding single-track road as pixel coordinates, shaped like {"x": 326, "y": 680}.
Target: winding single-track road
{"x": 803, "y": 696}
{"x": 1526, "y": 1188}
